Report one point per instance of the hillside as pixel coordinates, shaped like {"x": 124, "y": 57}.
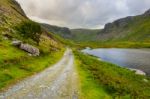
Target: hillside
{"x": 77, "y": 35}
{"x": 80, "y": 35}
{"x": 128, "y": 32}
{"x": 61, "y": 31}
{"x": 17, "y": 62}
{"x": 132, "y": 28}
{"x": 131, "y": 31}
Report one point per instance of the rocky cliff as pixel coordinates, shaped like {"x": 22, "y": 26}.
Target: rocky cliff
{"x": 131, "y": 28}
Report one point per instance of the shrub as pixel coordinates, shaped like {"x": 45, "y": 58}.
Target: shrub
{"x": 29, "y": 30}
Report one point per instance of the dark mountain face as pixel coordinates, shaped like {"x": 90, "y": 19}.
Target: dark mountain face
{"x": 16, "y": 6}
{"x": 121, "y": 23}
{"x": 61, "y": 31}
{"x": 130, "y": 28}
{"x": 147, "y": 13}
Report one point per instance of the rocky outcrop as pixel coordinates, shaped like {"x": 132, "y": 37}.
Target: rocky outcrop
{"x": 61, "y": 31}
{"x": 31, "y": 49}
{"x": 121, "y": 23}
{"x": 16, "y": 43}
{"x": 26, "y": 47}
{"x": 147, "y": 13}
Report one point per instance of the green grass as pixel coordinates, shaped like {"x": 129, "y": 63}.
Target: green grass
{"x": 16, "y": 64}
{"x": 109, "y": 80}
{"x": 116, "y": 44}
{"x": 80, "y": 35}
{"x": 90, "y": 89}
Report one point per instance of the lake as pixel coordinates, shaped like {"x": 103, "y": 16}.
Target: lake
{"x": 130, "y": 58}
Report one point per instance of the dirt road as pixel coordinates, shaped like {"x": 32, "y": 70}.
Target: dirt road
{"x": 57, "y": 82}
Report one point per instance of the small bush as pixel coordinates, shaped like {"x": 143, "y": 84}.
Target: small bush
{"x": 29, "y": 30}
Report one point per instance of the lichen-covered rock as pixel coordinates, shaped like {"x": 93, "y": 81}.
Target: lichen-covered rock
{"x": 30, "y": 49}
{"x": 26, "y": 47}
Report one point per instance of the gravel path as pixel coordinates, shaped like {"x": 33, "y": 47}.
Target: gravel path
{"x": 57, "y": 82}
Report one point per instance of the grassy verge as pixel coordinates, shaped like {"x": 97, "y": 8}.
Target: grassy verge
{"x": 101, "y": 80}
{"x": 90, "y": 89}
{"x": 16, "y": 64}
{"x": 121, "y": 44}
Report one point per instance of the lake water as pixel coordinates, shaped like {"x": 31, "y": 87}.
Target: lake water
{"x": 130, "y": 58}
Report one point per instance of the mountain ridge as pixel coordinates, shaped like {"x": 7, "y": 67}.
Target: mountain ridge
{"x": 130, "y": 28}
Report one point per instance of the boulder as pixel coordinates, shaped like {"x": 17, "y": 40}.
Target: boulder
{"x": 16, "y": 43}
{"x": 30, "y": 49}
{"x": 26, "y": 47}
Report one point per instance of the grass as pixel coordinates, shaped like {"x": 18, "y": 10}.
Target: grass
{"x": 121, "y": 44}
{"x": 16, "y": 64}
{"x": 89, "y": 88}
{"x": 103, "y": 79}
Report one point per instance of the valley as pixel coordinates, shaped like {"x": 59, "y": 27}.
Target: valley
{"x": 44, "y": 61}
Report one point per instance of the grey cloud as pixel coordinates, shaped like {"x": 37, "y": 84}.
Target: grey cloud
{"x": 82, "y": 13}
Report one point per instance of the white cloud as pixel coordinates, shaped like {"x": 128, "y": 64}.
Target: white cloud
{"x": 82, "y": 13}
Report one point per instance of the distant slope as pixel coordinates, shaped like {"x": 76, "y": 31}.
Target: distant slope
{"x": 84, "y": 34}
{"x": 132, "y": 28}
{"x": 61, "y": 31}
{"x": 78, "y": 35}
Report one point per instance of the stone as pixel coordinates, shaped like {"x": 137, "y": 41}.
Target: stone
{"x": 16, "y": 43}
{"x": 29, "y": 54}
{"x": 5, "y": 38}
{"x": 147, "y": 13}
{"x": 145, "y": 80}
{"x": 137, "y": 71}
{"x": 30, "y": 49}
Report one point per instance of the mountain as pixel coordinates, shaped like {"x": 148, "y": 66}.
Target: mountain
{"x": 129, "y": 29}
{"x": 14, "y": 24}
{"x": 77, "y": 35}
{"x": 80, "y": 35}
{"x": 61, "y": 31}
{"x": 25, "y": 47}
{"x": 132, "y": 28}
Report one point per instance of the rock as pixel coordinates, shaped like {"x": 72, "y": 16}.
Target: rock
{"x": 30, "y": 54}
{"x": 30, "y": 49}
{"x": 26, "y": 47}
{"x": 120, "y": 23}
{"x": 147, "y": 13}
{"x": 5, "y": 38}
{"x": 88, "y": 48}
{"x": 16, "y": 43}
{"x": 123, "y": 22}
{"x": 137, "y": 71}
{"x": 145, "y": 80}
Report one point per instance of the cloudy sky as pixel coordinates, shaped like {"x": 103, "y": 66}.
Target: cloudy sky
{"x": 82, "y": 13}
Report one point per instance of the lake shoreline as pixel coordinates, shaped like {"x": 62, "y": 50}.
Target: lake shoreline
{"x": 132, "y": 59}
